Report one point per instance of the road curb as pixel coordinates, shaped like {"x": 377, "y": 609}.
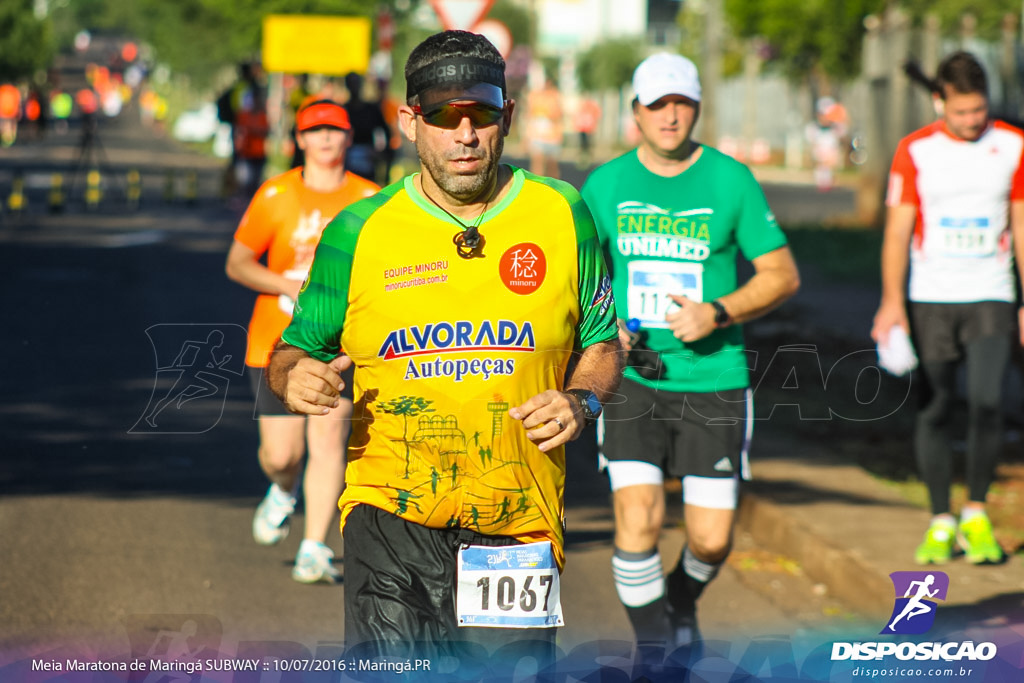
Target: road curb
{"x": 847, "y": 577}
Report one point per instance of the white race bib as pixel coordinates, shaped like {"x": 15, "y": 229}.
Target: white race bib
{"x": 967, "y": 237}
{"x": 651, "y": 282}
{"x": 508, "y": 587}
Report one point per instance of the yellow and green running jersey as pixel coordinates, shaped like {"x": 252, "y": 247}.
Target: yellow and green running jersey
{"x": 445, "y": 346}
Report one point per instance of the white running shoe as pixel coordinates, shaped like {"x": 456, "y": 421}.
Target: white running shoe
{"x": 313, "y": 564}
{"x": 270, "y": 523}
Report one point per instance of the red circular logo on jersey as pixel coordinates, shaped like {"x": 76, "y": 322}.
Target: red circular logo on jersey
{"x": 522, "y": 268}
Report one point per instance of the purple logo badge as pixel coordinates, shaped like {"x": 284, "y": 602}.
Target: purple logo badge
{"x": 916, "y": 592}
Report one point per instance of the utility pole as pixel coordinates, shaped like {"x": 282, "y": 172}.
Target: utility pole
{"x": 712, "y": 70}
{"x": 872, "y": 175}
{"x": 751, "y": 72}
{"x": 1008, "y": 66}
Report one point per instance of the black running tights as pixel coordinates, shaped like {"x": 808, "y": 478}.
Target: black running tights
{"x": 987, "y": 359}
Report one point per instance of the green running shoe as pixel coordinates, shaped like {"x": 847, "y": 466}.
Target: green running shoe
{"x": 980, "y": 546}
{"x": 937, "y": 547}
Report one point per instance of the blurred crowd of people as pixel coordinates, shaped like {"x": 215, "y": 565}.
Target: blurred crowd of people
{"x": 555, "y": 123}
{"x": 34, "y": 107}
{"x": 374, "y": 143}
{"x": 375, "y": 147}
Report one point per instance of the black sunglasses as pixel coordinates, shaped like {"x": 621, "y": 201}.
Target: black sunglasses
{"x": 451, "y": 115}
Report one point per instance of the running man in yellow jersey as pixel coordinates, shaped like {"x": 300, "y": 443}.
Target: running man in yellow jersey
{"x": 462, "y": 294}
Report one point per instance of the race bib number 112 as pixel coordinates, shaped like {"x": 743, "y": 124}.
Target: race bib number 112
{"x": 508, "y": 587}
{"x": 650, "y": 284}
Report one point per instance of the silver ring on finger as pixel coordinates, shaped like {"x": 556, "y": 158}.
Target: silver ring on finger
{"x": 559, "y": 423}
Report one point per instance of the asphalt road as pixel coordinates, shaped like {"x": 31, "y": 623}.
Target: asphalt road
{"x": 121, "y": 538}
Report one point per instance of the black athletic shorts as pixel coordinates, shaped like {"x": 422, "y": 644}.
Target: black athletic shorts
{"x": 400, "y": 582}
{"x": 940, "y": 331}
{"x": 688, "y": 433}
{"x": 268, "y": 404}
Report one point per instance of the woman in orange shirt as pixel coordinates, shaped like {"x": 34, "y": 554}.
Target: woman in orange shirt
{"x": 284, "y": 221}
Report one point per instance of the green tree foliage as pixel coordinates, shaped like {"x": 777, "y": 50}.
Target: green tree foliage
{"x": 691, "y": 21}
{"x": 517, "y": 19}
{"x": 808, "y": 35}
{"x": 989, "y": 13}
{"x": 607, "y": 65}
{"x": 199, "y": 37}
{"x": 26, "y": 42}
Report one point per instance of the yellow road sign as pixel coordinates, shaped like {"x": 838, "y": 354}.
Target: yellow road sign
{"x": 308, "y": 43}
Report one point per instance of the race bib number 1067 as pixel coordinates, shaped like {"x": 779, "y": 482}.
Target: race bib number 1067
{"x": 508, "y": 587}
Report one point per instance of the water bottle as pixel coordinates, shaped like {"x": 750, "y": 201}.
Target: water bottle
{"x": 644, "y": 360}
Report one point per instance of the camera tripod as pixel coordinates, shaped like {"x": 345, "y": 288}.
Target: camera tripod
{"x": 91, "y": 157}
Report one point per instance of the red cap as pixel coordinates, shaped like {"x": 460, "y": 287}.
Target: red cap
{"x": 322, "y": 113}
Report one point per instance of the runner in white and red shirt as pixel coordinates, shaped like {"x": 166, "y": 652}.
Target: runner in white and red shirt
{"x": 955, "y": 221}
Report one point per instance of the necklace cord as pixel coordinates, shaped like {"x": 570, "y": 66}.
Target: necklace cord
{"x": 468, "y": 240}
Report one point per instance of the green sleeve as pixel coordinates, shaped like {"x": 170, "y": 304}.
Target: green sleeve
{"x": 319, "y": 315}
{"x": 758, "y": 232}
{"x": 597, "y": 304}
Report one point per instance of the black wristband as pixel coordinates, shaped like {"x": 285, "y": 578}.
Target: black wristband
{"x": 722, "y": 317}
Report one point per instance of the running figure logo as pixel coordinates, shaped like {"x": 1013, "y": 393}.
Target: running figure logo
{"x": 914, "y": 612}
{"x": 195, "y": 364}
{"x": 173, "y": 646}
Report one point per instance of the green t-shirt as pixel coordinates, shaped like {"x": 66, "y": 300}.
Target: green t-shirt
{"x": 681, "y": 235}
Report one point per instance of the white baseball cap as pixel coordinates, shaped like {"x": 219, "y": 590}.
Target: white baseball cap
{"x": 665, "y": 74}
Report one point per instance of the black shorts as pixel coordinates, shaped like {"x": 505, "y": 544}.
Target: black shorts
{"x": 685, "y": 434}
{"x": 269, "y": 404}
{"x": 940, "y": 331}
{"x": 400, "y": 581}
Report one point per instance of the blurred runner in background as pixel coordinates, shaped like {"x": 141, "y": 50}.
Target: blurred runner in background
{"x": 10, "y": 113}
{"x": 588, "y": 114}
{"x": 389, "y": 105}
{"x": 370, "y": 132}
{"x": 284, "y": 221}
{"x": 674, "y": 215}
{"x": 298, "y": 98}
{"x": 251, "y": 128}
{"x": 954, "y": 229}
{"x": 544, "y": 129}
{"x": 826, "y": 135}
{"x": 61, "y": 106}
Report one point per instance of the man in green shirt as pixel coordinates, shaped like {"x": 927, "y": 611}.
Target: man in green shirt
{"x": 672, "y": 216}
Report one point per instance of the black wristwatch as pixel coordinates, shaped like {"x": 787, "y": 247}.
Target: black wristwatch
{"x": 589, "y": 404}
{"x": 722, "y": 317}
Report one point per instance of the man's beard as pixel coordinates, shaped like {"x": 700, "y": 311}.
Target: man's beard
{"x": 464, "y": 188}
{"x": 969, "y": 133}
